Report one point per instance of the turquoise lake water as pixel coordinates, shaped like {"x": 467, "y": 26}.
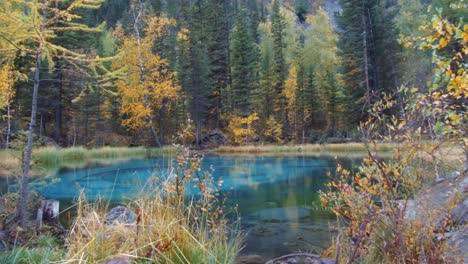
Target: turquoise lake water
{"x": 277, "y": 197}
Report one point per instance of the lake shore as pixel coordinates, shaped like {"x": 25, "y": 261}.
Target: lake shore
{"x": 50, "y": 159}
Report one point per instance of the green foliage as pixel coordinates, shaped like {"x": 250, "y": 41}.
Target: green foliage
{"x": 373, "y": 202}
{"x": 244, "y": 64}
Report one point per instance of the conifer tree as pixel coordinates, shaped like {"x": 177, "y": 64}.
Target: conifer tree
{"x": 279, "y": 67}
{"x": 198, "y": 85}
{"x": 36, "y": 27}
{"x": 243, "y": 63}
{"x": 218, "y": 56}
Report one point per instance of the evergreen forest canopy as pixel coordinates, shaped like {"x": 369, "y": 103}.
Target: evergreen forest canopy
{"x": 137, "y": 72}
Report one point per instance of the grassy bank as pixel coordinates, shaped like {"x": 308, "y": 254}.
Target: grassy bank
{"x": 160, "y": 226}
{"x": 305, "y": 149}
{"x": 49, "y": 159}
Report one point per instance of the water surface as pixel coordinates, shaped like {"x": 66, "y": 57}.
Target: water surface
{"x": 277, "y": 197}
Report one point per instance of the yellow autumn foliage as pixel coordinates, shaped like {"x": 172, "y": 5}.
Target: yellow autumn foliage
{"x": 290, "y": 93}
{"x": 143, "y": 94}
{"x": 240, "y": 128}
{"x": 7, "y": 91}
{"x": 273, "y": 130}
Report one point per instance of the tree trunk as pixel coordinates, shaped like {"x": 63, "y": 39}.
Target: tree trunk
{"x": 161, "y": 127}
{"x": 365, "y": 53}
{"x": 58, "y": 105}
{"x": 374, "y": 64}
{"x": 47, "y": 212}
{"x": 41, "y": 131}
{"x": 136, "y": 18}
{"x": 8, "y": 132}
{"x": 28, "y": 152}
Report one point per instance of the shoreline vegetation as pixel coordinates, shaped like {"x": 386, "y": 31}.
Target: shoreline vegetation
{"x": 158, "y": 227}
{"x": 48, "y": 160}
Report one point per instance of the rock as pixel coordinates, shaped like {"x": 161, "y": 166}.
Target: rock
{"x": 439, "y": 180}
{"x": 297, "y": 258}
{"x": 120, "y": 214}
{"x": 454, "y": 175}
{"x": 117, "y": 261}
{"x": 3, "y": 240}
{"x": 328, "y": 261}
{"x": 213, "y": 140}
{"x": 281, "y": 214}
{"x": 410, "y": 209}
{"x": 458, "y": 243}
{"x": 464, "y": 185}
{"x": 251, "y": 259}
{"x": 460, "y": 213}
{"x": 310, "y": 260}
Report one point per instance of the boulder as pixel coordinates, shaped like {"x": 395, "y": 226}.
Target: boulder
{"x": 251, "y": 259}
{"x": 459, "y": 214}
{"x": 305, "y": 258}
{"x": 120, "y": 215}
{"x": 213, "y": 140}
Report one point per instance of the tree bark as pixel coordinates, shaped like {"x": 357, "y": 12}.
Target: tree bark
{"x": 28, "y": 152}
{"x": 8, "y": 132}
{"x": 58, "y": 105}
{"x": 136, "y": 18}
{"x": 365, "y": 54}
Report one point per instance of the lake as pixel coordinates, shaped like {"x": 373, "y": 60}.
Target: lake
{"x": 277, "y": 197}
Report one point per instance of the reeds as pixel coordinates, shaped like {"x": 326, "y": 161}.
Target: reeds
{"x": 332, "y": 149}
{"x": 168, "y": 229}
{"x": 51, "y": 156}
{"x": 48, "y": 160}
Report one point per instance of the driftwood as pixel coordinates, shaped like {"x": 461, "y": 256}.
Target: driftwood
{"x": 48, "y": 212}
{"x": 214, "y": 139}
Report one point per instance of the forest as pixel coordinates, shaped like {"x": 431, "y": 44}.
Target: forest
{"x": 132, "y": 73}
{"x": 346, "y": 111}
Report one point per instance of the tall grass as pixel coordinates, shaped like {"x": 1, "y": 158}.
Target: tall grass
{"x": 333, "y": 149}
{"x": 168, "y": 229}
{"x": 8, "y": 162}
{"x": 51, "y": 156}
{"x": 46, "y": 250}
{"x": 48, "y": 160}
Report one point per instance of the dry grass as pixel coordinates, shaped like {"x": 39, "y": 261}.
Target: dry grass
{"x": 340, "y": 149}
{"x": 48, "y": 160}
{"x": 166, "y": 231}
{"x": 8, "y": 162}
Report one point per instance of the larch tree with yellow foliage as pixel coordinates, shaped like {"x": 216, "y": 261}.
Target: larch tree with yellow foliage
{"x": 7, "y": 93}
{"x": 290, "y": 93}
{"x": 147, "y": 84}
{"x": 30, "y": 28}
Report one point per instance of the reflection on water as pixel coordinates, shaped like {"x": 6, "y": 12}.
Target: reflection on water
{"x": 277, "y": 196}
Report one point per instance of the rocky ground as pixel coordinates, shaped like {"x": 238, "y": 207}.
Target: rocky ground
{"x": 445, "y": 197}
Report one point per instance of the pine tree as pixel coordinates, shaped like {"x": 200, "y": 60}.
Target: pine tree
{"x": 198, "y": 86}
{"x": 218, "y": 56}
{"x": 244, "y": 64}
{"x": 279, "y": 67}
{"x": 301, "y": 9}
{"x": 355, "y": 53}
